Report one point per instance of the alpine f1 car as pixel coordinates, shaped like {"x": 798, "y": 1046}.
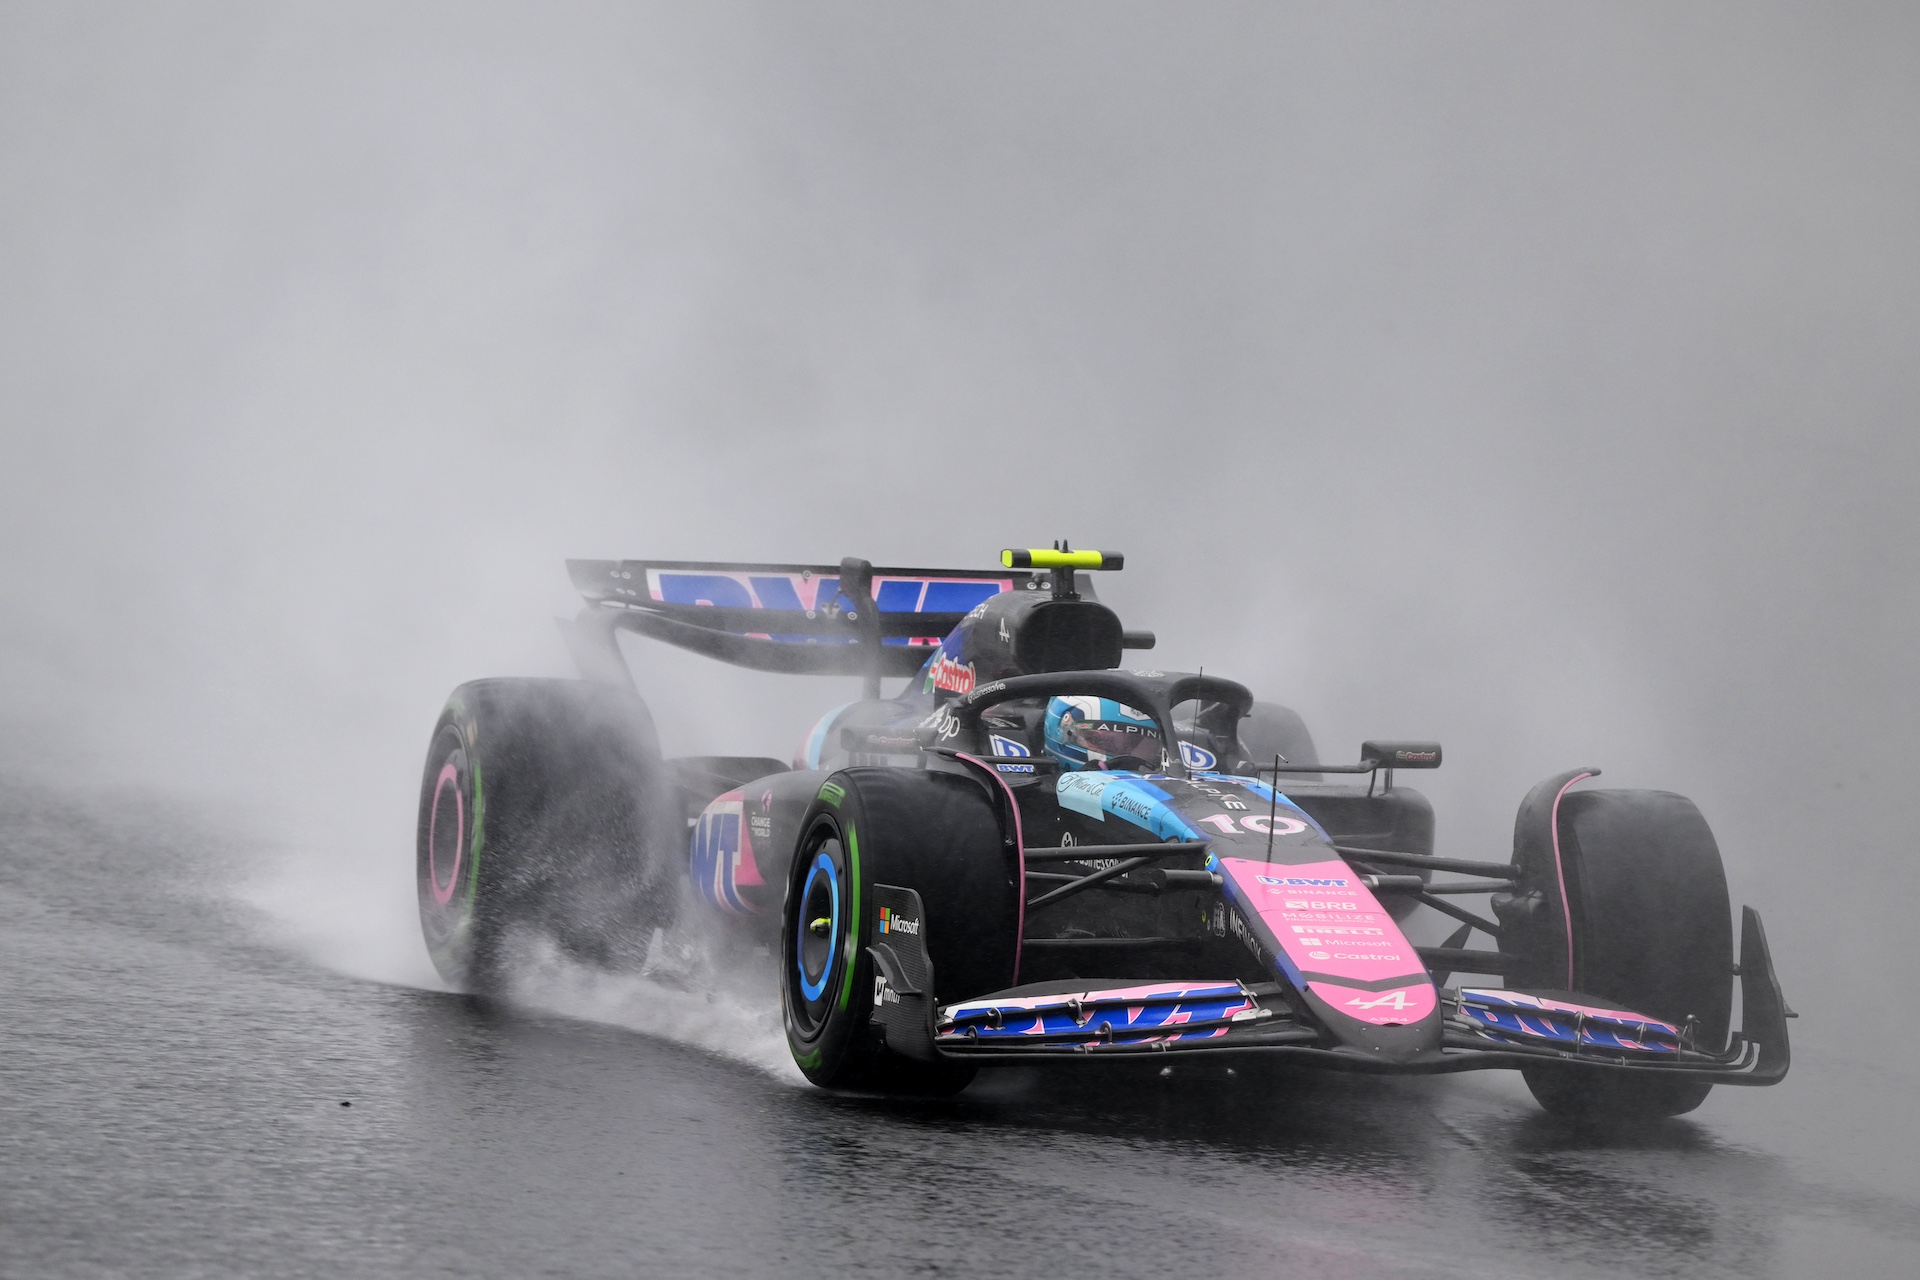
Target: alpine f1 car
{"x": 1032, "y": 854}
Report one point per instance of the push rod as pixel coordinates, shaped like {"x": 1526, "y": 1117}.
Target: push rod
{"x": 1427, "y": 862}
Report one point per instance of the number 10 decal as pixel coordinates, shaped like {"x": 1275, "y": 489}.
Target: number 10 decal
{"x": 1258, "y": 823}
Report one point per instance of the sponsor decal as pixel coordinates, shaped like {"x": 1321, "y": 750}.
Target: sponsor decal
{"x": 955, "y": 677}
{"x": 1240, "y": 931}
{"x": 943, "y": 723}
{"x": 883, "y": 992}
{"x": 1321, "y": 955}
{"x": 761, "y": 825}
{"x": 1304, "y": 882}
{"x": 890, "y": 922}
{"x": 1081, "y": 792}
{"x": 1395, "y": 1000}
{"x": 1340, "y": 930}
{"x": 1003, "y": 746}
{"x": 833, "y": 793}
{"x": 1316, "y": 904}
{"x": 1006, "y": 636}
{"x": 1014, "y": 768}
{"x": 1197, "y": 757}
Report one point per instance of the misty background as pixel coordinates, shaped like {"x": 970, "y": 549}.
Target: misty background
{"x": 1540, "y": 379}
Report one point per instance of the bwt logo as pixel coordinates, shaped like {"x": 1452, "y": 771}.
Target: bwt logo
{"x": 1302, "y": 882}
{"x": 892, "y": 923}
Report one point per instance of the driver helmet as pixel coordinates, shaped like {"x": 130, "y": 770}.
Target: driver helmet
{"x": 1094, "y": 733}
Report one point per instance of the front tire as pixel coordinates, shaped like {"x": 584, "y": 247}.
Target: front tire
{"x": 1650, "y": 929}
{"x": 935, "y": 833}
{"x": 542, "y": 809}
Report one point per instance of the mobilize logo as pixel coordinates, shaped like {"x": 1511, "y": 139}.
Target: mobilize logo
{"x": 890, "y": 922}
{"x": 1303, "y": 882}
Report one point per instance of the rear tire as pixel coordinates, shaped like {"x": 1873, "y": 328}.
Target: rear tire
{"x": 1651, "y": 931}
{"x": 935, "y": 833}
{"x": 542, "y": 809}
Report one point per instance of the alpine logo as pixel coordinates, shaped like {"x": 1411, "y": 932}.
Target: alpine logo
{"x": 1394, "y": 1000}
{"x": 890, "y": 922}
{"x": 955, "y": 677}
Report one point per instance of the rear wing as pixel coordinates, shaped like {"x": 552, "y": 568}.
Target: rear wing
{"x": 847, "y": 619}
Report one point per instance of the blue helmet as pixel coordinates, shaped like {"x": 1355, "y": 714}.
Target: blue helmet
{"x": 1092, "y": 733}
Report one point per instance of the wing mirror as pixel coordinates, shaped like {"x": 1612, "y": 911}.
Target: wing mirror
{"x": 1401, "y": 755}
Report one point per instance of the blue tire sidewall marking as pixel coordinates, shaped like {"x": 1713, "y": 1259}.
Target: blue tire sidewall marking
{"x": 810, "y": 989}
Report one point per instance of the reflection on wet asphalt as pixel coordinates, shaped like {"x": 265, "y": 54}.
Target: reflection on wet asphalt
{"x": 171, "y": 1096}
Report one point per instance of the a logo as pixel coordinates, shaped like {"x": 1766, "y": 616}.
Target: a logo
{"x": 1303, "y": 882}
{"x": 893, "y": 923}
{"x": 1315, "y": 904}
{"x": 1196, "y": 757}
{"x": 1014, "y": 768}
{"x": 1002, "y": 746}
{"x": 955, "y": 677}
{"x": 833, "y": 793}
{"x": 1320, "y": 955}
{"x": 1395, "y": 1000}
{"x": 883, "y": 992}
{"x": 1006, "y": 637}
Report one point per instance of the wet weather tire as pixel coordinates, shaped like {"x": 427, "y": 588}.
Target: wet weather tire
{"x": 542, "y": 810}
{"x": 934, "y": 833}
{"x": 1651, "y": 931}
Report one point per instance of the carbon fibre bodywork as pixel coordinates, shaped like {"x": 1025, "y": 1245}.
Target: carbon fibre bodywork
{"x": 1207, "y": 905}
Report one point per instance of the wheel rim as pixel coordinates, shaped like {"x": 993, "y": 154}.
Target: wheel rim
{"x": 817, "y": 931}
{"x": 446, "y": 840}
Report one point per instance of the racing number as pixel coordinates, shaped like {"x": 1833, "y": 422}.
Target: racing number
{"x": 1256, "y": 823}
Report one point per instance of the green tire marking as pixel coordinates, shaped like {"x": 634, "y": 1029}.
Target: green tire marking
{"x": 833, "y": 793}
{"x": 853, "y": 916}
{"x": 479, "y": 839}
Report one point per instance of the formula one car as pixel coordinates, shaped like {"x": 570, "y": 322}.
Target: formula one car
{"x": 1033, "y": 855}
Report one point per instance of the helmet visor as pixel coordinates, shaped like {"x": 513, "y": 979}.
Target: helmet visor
{"x": 1105, "y": 740}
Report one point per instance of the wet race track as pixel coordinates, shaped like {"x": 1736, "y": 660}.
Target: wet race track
{"x": 175, "y": 1091}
